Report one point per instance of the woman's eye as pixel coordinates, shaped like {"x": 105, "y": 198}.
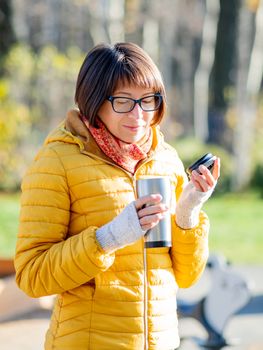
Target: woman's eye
{"x": 122, "y": 102}
{"x": 148, "y": 100}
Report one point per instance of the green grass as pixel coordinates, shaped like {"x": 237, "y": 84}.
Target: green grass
{"x": 236, "y": 226}
{"x": 9, "y": 214}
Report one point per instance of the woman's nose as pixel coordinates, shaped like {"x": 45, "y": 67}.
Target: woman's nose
{"x": 137, "y": 111}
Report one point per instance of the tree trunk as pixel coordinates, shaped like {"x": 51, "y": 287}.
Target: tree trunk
{"x": 168, "y": 12}
{"x": 245, "y": 100}
{"x": 116, "y": 24}
{"x": 255, "y": 72}
{"x": 201, "y": 81}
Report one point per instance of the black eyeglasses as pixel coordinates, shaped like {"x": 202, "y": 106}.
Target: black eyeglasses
{"x": 126, "y": 104}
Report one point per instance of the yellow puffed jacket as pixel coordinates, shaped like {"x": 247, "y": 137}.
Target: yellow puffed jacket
{"x": 124, "y": 300}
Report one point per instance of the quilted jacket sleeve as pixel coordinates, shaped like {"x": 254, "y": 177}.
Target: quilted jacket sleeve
{"x": 45, "y": 261}
{"x": 189, "y": 250}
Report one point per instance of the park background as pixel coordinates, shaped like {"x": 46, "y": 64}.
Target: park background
{"x": 211, "y": 56}
{"x": 210, "y": 53}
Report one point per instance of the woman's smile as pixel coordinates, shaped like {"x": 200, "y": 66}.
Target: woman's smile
{"x": 133, "y": 128}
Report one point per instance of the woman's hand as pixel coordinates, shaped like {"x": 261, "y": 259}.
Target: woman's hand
{"x": 206, "y": 180}
{"x": 195, "y": 194}
{"x": 132, "y": 223}
{"x": 150, "y": 210}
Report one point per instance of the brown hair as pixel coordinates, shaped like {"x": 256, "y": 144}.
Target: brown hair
{"x": 105, "y": 67}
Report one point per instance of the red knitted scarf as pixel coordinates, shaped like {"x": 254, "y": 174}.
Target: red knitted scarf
{"x": 127, "y": 155}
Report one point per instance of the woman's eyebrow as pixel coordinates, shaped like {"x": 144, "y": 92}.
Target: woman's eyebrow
{"x": 129, "y": 94}
{"x": 122, "y": 92}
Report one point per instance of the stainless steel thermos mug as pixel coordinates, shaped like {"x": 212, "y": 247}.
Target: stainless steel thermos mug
{"x": 160, "y": 235}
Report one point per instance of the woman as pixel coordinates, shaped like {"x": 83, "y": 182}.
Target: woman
{"x": 82, "y": 229}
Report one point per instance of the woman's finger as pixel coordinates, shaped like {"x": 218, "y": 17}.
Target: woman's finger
{"x": 216, "y": 169}
{"x": 152, "y": 209}
{"x": 150, "y": 221}
{"x": 147, "y": 200}
{"x": 196, "y": 183}
{"x": 206, "y": 175}
{"x": 204, "y": 182}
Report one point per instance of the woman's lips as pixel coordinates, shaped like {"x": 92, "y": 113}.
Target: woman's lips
{"x": 133, "y": 128}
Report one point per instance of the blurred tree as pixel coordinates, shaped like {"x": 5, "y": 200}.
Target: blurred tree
{"x": 179, "y": 40}
{"x": 167, "y": 13}
{"x": 249, "y": 77}
{"x": 223, "y": 76}
{"x": 133, "y": 21}
{"x": 255, "y": 72}
{"x": 203, "y": 71}
{"x": 15, "y": 117}
{"x": 6, "y": 29}
{"x": 116, "y": 25}
{"x": 55, "y": 80}
{"x": 14, "y": 127}
{"x": 63, "y": 24}
{"x": 35, "y": 94}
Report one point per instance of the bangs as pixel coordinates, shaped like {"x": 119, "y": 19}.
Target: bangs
{"x": 140, "y": 75}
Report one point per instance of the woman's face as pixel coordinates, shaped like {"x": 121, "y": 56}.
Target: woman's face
{"x": 132, "y": 126}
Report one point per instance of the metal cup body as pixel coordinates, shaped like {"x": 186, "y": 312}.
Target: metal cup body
{"x": 160, "y": 235}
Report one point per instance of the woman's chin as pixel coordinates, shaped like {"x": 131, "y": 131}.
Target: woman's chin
{"x": 132, "y": 139}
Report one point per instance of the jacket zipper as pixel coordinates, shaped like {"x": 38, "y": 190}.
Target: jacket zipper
{"x": 145, "y": 286}
{"x": 145, "y": 298}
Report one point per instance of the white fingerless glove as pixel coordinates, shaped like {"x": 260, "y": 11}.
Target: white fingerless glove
{"x": 189, "y": 205}
{"x": 121, "y": 231}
